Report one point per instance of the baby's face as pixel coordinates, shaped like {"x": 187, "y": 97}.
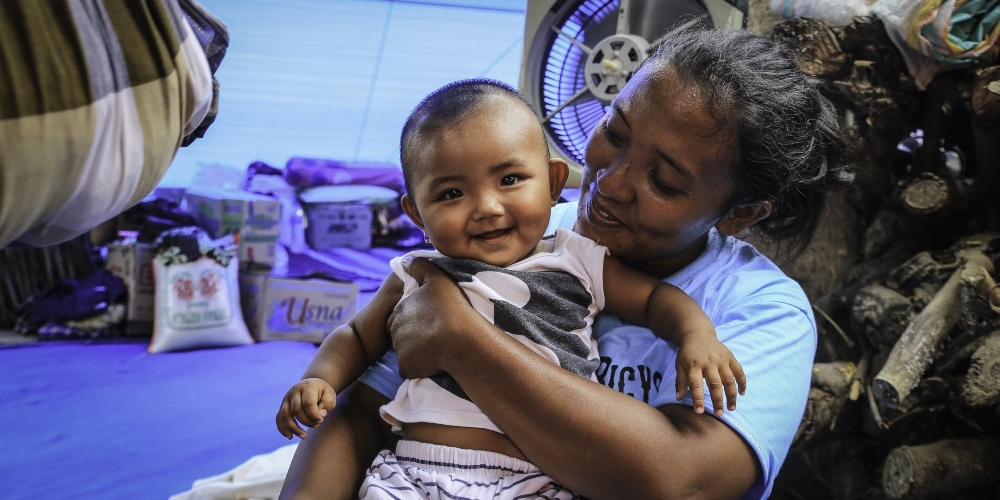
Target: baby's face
{"x": 484, "y": 188}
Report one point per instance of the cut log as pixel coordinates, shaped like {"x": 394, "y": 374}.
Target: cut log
{"x": 932, "y": 194}
{"x": 986, "y": 96}
{"x": 941, "y": 467}
{"x": 987, "y": 288}
{"x": 987, "y": 146}
{"x": 914, "y": 350}
{"x": 918, "y": 270}
{"x": 880, "y": 314}
{"x": 982, "y": 383}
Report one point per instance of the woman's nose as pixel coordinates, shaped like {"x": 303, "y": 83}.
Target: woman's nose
{"x": 613, "y": 181}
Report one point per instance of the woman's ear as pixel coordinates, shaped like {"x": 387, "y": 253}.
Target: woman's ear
{"x": 743, "y": 217}
{"x": 411, "y": 210}
{"x": 558, "y": 173}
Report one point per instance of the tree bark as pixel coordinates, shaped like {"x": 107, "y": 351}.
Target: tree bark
{"x": 947, "y": 465}
{"x": 914, "y": 350}
{"x": 880, "y": 314}
{"x": 982, "y": 383}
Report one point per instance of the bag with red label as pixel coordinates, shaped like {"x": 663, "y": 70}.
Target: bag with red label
{"x": 197, "y": 300}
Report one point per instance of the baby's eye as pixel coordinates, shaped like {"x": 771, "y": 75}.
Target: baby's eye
{"x": 450, "y": 194}
{"x": 510, "y": 180}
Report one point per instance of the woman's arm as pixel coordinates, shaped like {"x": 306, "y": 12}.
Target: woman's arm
{"x": 588, "y": 437}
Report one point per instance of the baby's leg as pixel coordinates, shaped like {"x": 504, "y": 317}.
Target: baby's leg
{"x": 332, "y": 461}
{"x": 422, "y": 471}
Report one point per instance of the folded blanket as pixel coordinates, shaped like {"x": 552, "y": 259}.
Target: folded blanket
{"x": 259, "y": 478}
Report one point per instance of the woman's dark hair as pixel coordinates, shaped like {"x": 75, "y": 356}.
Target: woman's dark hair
{"x": 790, "y": 148}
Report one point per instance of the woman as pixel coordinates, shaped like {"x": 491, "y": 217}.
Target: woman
{"x": 716, "y": 133}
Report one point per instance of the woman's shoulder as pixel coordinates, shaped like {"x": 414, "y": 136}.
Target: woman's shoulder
{"x": 732, "y": 271}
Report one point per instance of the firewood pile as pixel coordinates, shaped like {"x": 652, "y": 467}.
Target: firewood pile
{"x": 905, "y": 397}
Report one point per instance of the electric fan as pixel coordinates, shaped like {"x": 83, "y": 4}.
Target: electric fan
{"x": 579, "y": 53}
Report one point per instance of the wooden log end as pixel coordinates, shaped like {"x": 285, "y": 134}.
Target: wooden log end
{"x": 897, "y": 474}
{"x": 885, "y": 393}
{"x": 925, "y": 195}
{"x": 945, "y": 466}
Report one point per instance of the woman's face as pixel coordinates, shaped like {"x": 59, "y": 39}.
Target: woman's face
{"x": 656, "y": 178}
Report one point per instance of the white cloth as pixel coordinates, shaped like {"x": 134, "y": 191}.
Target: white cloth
{"x": 421, "y": 471}
{"x": 546, "y": 301}
{"x": 259, "y": 478}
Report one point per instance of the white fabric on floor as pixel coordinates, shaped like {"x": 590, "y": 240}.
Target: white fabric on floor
{"x": 259, "y": 478}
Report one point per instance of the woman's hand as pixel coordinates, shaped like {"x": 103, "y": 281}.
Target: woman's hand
{"x": 428, "y": 326}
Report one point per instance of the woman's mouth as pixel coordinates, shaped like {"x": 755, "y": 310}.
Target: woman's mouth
{"x": 599, "y": 216}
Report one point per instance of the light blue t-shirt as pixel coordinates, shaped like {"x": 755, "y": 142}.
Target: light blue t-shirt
{"x": 760, "y": 314}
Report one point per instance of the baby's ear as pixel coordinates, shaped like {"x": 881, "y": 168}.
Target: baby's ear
{"x": 558, "y": 173}
{"x": 411, "y": 210}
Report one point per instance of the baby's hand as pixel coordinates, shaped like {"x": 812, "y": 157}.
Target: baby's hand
{"x": 702, "y": 355}
{"x": 308, "y": 401}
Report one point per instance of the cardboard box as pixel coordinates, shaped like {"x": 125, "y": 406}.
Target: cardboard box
{"x": 306, "y": 310}
{"x": 254, "y": 217}
{"x": 133, "y": 263}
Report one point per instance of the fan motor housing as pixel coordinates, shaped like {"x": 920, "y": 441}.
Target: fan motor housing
{"x": 612, "y": 63}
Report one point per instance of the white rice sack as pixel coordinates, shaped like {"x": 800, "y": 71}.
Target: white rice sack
{"x": 197, "y": 300}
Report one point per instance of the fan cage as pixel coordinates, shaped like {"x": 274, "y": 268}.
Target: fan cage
{"x": 564, "y": 76}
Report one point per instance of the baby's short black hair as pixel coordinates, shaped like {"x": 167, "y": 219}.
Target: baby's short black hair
{"x": 445, "y": 108}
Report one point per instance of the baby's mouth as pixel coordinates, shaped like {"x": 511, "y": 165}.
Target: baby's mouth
{"x": 492, "y": 235}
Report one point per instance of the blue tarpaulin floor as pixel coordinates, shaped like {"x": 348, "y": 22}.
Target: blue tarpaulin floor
{"x": 108, "y": 421}
{"x": 105, "y": 420}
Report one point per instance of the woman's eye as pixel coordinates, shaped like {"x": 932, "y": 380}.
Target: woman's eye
{"x": 509, "y": 180}
{"x": 660, "y": 186}
{"x": 614, "y": 139}
{"x": 450, "y": 194}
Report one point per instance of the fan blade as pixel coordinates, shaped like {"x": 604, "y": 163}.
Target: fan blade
{"x": 565, "y": 103}
{"x": 573, "y": 40}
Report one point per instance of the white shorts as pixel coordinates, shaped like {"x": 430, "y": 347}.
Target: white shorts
{"x": 433, "y": 472}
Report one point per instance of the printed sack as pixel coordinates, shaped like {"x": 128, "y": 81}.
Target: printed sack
{"x": 197, "y": 301}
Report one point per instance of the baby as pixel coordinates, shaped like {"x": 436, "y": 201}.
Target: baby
{"x": 481, "y": 185}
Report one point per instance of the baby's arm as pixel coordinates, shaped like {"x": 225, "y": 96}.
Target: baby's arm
{"x": 342, "y": 357}
{"x": 673, "y": 316}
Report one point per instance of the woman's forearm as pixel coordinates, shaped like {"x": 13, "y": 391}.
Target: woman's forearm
{"x": 593, "y": 439}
